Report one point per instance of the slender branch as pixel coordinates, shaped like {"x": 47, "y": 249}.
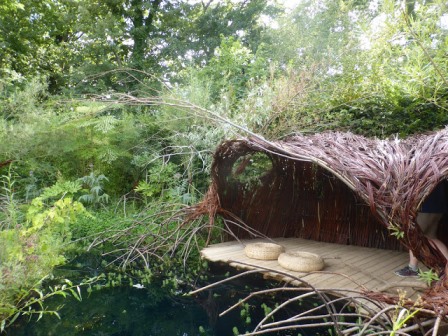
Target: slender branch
{"x": 419, "y": 42}
{"x": 435, "y": 331}
{"x": 223, "y": 281}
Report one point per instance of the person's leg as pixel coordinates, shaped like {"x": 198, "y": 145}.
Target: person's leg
{"x": 411, "y": 270}
{"x": 413, "y": 262}
{"x": 428, "y": 223}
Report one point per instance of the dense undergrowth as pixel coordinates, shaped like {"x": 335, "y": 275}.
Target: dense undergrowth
{"x": 72, "y": 219}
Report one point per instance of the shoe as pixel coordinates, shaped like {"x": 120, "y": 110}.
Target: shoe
{"x": 407, "y": 272}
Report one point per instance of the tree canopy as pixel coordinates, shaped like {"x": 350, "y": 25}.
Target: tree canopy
{"x": 69, "y": 40}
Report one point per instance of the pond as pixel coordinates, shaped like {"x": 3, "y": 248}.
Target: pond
{"x": 153, "y": 311}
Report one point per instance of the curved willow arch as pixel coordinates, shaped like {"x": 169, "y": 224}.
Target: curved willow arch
{"x": 393, "y": 177}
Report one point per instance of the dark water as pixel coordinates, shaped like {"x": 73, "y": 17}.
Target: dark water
{"x": 121, "y": 311}
{"x": 152, "y": 311}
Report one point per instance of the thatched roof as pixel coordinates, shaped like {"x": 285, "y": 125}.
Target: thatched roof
{"x": 390, "y": 177}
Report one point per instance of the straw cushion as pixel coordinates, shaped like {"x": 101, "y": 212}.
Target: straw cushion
{"x": 301, "y": 261}
{"x": 263, "y": 251}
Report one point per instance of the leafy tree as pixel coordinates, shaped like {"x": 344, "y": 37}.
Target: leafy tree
{"x": 69, "y": 41}
{"x": 373, "y": 70}
{"x": 41, "y": 46}
{"x": 229, "y": 70}
{"x": 165, "y": 36}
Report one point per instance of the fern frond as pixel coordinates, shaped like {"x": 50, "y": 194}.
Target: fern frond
{"x": 108, "y": 156}
{"x": 105, "y": 124}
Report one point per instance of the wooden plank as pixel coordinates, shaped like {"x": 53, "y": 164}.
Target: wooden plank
{"x": 357, "y": 266}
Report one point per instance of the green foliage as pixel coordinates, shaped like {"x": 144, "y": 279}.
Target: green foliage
{"x": 72, "y": 140}
{"x": 202, "y": 331}
{"x": 10, "y": 215}
{"x": 267, "y": 310}
{"x": 61, "y": 189}
{"x": 55, "y": 218}
{"x": 22, "y": 102}
{"x": 87, "y": 226}
{"x": 229, "y": 70}
{"x": 164, "y": 183}
{"x": 396, "y": 231}
{"x": 250, "y": 169}
{"x": 95, "y": 189}
{"x": 160, "y": 178}
{"x": 115, "y": 277}
{"x": 245, "y": 314}
{"x": 403, "y": 316}
{"x": 32, "y": 248}
{"x": 41, "y": 45}
{"x": 428, "y": 276}
{"x": 30, "y": 302}
{"x": 69, "y": 40}
{"x": 352, "y": 67}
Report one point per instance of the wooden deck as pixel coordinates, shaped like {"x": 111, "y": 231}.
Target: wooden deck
{"x": 346, "y": 267}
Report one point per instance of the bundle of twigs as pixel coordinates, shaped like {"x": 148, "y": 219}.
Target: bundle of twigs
{"x": 334, "y": 309}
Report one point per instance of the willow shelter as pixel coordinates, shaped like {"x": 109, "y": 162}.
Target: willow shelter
{"x": 332, "y": 187}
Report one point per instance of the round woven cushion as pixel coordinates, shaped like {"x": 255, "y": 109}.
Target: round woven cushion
{"x": 301, "y": 261}
{"x": 263, "y": 251}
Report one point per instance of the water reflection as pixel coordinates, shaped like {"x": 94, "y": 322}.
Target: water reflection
{"x": 153, "y": 311}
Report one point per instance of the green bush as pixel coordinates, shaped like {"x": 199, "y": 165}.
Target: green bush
{"x": 34, "y": 246}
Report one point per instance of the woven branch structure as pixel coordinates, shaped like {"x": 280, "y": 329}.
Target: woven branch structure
{"x": 334, "y": 187}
